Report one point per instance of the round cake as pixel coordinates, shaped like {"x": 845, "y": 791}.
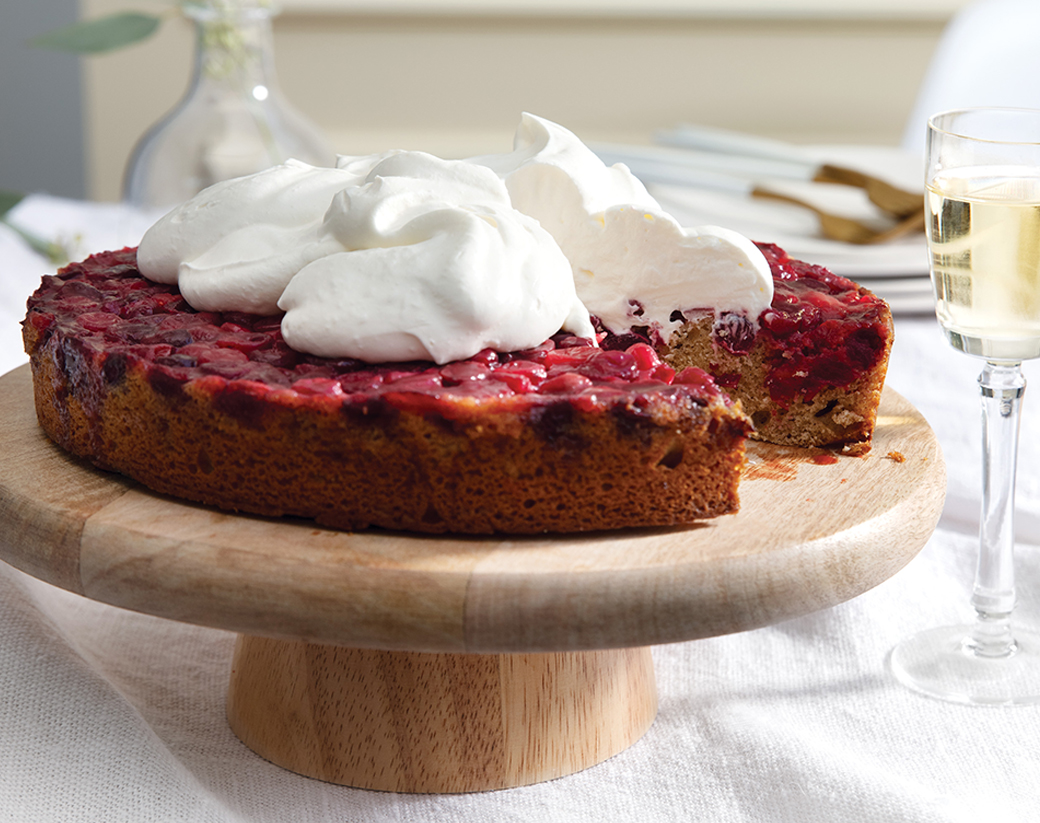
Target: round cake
{"x": 513, "y": 343}
{"x": 215, "y": 408}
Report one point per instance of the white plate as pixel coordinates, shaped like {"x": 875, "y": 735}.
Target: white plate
{"x": 911, "y": 304}
{"x": 898, "y": 285}
{"x": 904, "y": 295}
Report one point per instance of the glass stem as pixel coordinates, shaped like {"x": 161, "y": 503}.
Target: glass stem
{"x": 993, "y": 597}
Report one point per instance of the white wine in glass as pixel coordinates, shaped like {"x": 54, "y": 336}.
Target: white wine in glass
{"x": 985, "y": 247}
{"x": 983, "y": 210}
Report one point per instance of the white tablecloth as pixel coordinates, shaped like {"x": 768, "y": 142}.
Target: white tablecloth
{"x": 106, "y": 715}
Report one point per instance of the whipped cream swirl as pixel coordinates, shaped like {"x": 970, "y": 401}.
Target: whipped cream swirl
{"x": 394, "y": 257}
{"x": 405, "y": 256}
{"x": 633, "y": 264}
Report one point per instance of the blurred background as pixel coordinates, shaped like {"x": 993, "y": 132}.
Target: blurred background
{"x": 452, "y": 76}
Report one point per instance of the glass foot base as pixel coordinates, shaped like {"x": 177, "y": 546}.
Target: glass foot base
{"x": 941, "y": 663}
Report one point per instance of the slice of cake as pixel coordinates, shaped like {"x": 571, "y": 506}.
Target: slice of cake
{"x": 811, "y": 374}
{"x": 803, "y": 350}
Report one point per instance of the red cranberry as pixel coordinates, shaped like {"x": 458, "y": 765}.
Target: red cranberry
{"x": 463, "y": 370}
{"x": 566, "y": 383}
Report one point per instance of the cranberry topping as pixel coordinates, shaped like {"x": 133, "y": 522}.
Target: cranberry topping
{"x": 822, "y": 330}
{"x": 128, "y": 322}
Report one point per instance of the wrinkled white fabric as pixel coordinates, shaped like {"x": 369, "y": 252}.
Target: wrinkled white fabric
{"x": 106, "y": 715}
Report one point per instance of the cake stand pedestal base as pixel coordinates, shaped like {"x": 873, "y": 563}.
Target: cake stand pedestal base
{"x": 425, "y": 722}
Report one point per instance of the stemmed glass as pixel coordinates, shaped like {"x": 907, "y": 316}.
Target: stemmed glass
{"x": 983, "y": 209}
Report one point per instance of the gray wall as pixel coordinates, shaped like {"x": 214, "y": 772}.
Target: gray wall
{"x": 41, "y": 128}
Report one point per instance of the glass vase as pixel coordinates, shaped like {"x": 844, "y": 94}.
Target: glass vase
{"x": 233, "y": 120}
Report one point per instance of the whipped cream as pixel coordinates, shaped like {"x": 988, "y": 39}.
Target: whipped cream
{"x": 393, "y": 257}
{"x": 405, "y": 256}
{"x": 633, "y": 264}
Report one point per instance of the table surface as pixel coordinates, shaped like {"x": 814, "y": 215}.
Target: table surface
{"x": 808, "y": 535}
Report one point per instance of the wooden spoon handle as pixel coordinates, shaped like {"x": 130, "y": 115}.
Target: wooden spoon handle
{"x": 846, "y": 229}
{"x": 887, "y": 197}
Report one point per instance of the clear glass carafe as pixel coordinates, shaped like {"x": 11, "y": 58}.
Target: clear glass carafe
{"x": 232, "y": 121}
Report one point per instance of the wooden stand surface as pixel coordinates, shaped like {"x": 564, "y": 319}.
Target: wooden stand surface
{"x": 421, "y": 722}
{"x": 410, "y": 663}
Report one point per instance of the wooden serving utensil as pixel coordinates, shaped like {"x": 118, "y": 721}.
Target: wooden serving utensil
{"x": 706, "y": 141}
{"x": 847, "y": 229}
{"x": 891, "y": 199}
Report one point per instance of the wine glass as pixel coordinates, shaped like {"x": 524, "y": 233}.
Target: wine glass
{"x": 983, "y": 211}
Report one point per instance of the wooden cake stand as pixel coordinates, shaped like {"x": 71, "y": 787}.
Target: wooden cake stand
{"x": 448, "y": 664}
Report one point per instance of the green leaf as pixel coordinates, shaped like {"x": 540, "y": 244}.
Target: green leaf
{"x": 103, "y": 34}
{"x": 53, "y": 251}
{"x": 8, "y": 200}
